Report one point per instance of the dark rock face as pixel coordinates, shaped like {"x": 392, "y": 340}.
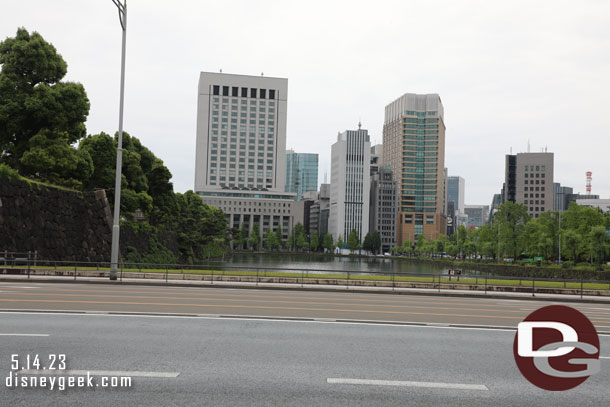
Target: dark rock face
{"x": 59, "y": 225}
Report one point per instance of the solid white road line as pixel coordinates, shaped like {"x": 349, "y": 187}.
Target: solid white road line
{"x": 100, "y": 373}
{"x": 433, "y": 385}
{"x": 1, "y": 334}
{"x": 604, "y": 357}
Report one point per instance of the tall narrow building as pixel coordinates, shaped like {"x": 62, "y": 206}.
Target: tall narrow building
{"x": 241, "y": 149}
{"x": 455, "y": 192}
{"x": 301, "y": 172}
{"x": 350, "y": 184}
{"x": 414, "y": 148}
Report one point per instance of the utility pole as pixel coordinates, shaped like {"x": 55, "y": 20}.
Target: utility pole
{"x": 114, "y": 252}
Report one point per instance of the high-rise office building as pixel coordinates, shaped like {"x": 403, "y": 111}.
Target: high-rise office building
{"x": 478, "y": 215}
{"x": 376, "y": 158}
{"x": 301, "y": 172}
{"x": 529, "y": 180}
{"x": 350, "y": 184}
{"x": 456, "y": 190}
{"x": 414, "y": 149}
{"x": 383, "y": 207}
{"x": 241, "y": 147}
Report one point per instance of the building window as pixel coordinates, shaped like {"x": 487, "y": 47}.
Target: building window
{"x": 234, "y": 92}
{"x": 263, "y": 93}
{"x": 216, "y": 90}
{"x": 225, "y": 91}
{"x": 253, "y": 93}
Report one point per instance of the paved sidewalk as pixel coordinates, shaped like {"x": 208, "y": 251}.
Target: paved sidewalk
{"x": 310, "y": 287}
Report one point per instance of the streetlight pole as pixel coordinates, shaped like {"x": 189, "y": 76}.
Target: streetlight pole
{"x": 559, "y": 235}
{"x": 114, "y": 253}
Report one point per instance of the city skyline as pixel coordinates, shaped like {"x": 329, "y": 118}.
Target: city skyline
{"x": 528, "y": 80}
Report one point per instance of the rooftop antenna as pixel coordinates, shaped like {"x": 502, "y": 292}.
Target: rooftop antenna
{"x": 359, "y": 125}
{"x": 220, "y": 70}
{"x": 262, "y": 74}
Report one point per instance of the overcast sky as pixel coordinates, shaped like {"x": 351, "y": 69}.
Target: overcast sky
{"x": 506, "y": 71}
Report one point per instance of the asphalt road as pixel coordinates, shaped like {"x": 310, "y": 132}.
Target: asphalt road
{"x": 243, "y": 362}
{"x": 279, "y": 303}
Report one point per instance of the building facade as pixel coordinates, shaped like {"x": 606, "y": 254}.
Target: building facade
{"x": 383, "y": 207}
{"x": 350, "y": 184}
{"x": 414, "y": 149}
{"x": 240, "y": 149}
{"x": 301, "y": 172}
{"x": 529, "y": 180}
{"x": 478, "y": 215}
{"x": 456, "y": 189}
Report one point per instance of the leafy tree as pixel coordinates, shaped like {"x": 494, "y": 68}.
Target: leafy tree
{"x": 197, "y": 225}
{"x": 254, "y": 239}
{"x": 102, "y": 149}
{"x": 328, "y": 243}
{"x": 33, "y": 97}
{"x": 572, "y": 244}
{"x": 376, "y": 242}
{"x": 340, "y": 242}
{"x": 299, "y": 239}
{"x": 511, "y": 218}
{"x": 51, "y": 158}
{"x": 353, "y": 242}
{"x": 598, "y": 243}
{"x": 314, "y": 242}
{"x": 280, "y": 237}
{"x": 271, "y": 241}
{"x": 241, "y": 238}
{"x": 367, "y": 244}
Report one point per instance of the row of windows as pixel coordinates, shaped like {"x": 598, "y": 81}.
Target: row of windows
{"x": 531, "y": 202}
{"x": 537, "y": 168}
{"x": 538, "y": 182}
{"x": 532, "y": 188}
{"x": 236, "y": 91}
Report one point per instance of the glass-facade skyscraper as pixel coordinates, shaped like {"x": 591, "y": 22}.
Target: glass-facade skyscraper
{"x": 301, "y": 172}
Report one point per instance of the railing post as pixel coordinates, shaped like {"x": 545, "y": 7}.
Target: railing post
{"x": 393, "y": 280}
{"x": 75, "y": 265}
{"x": 533, "y": 286}
{"x": 166, "y": 274}
{"x": 439, "y": 282}
{"x": 347, "y": 284}
{"x": 257, "y": 277}
{"x": 581, "y": 284}
{"x": 302, "y": 277}
{"x": 485, "y": 284}
{"x": 35, "y": 257}
{"x": 28, "y": 266}
{"x": 122, "y": 272}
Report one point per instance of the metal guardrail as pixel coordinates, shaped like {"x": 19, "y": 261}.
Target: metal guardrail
{"x": 218, "y": 271}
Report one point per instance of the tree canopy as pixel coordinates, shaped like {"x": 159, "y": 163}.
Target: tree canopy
{"x": 33, "y": 97}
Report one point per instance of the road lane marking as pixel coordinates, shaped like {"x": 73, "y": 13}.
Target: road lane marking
{"x": 260, "y": 307}
{"x": 100, "y": 373}
{"x": 269, "y": 301}
{"x": 338, "y": 296}
{"x": 433, "y": 385}
{"x": 263, "y": 318}
{"x": 604, "y": 357}
{"x": 1, "y": 334}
